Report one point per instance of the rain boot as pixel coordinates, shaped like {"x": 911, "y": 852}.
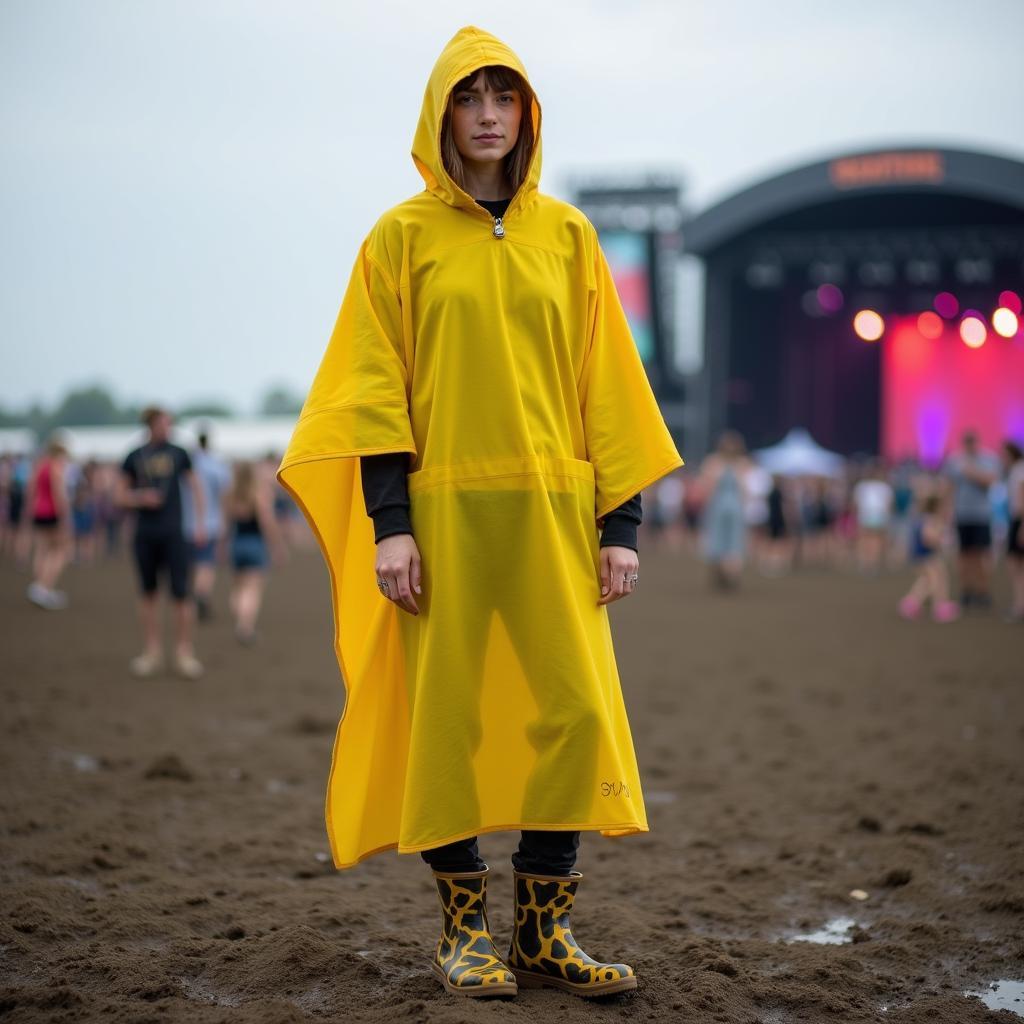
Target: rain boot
{"x": 465, "y": 960}
{"x": 543, "y": 952}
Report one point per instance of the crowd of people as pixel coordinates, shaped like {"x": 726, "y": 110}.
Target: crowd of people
{"x": 193, "y": 512}
{"x": 870, "y": 518}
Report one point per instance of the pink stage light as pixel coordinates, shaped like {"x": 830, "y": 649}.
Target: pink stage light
{"x": 933, "y": 390}
{"x": 929, "y": 324}
{"x": 946, "y": 305}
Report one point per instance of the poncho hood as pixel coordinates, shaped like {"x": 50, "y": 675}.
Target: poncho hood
{"x": 467, "y": 51}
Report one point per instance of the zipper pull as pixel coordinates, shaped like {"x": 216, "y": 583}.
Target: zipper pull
{"x": 499, "y": 228}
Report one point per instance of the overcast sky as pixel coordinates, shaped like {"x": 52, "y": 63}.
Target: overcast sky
{"x": 184, "y": 184}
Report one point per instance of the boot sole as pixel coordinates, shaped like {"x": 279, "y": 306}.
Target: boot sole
{"x": 473, "y": 991}
{"x": 527, "y": 979}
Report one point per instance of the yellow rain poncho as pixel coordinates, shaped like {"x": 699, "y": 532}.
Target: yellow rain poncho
{"x": 505, "y": 366}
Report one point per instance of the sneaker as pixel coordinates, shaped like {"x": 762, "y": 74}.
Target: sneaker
{"x": 910, "y": 607}
{"x": 946, "y": 611}
{"x": 147, "y": 664}
{"x": 187, "y": 665}
{"x": 42, "y": 597}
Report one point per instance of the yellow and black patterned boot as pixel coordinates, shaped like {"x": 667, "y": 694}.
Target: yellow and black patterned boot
{"x": 543, "y": 951}
{"x": 465, "y": 958}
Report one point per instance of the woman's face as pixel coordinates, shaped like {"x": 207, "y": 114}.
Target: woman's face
{"x": 485, "y": 124}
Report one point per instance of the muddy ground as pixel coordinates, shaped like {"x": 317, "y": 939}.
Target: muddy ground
{"x": 164, "y": 857}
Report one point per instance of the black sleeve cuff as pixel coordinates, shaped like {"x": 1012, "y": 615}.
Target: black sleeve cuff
{"x": 389, "y": 520}
{"x": 620, "y": 525}
{"x": 620, "y": 532}
{"x": 386, "y": 492}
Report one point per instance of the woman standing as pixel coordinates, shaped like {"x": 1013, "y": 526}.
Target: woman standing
{"x": 252, "y": 527}
{"x": 724, "y": 526}
{"x": 48, "y": 506}
{"x": 482, "y": 336}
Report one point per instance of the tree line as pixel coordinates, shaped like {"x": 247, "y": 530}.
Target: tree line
{"x": 96, "y": 406}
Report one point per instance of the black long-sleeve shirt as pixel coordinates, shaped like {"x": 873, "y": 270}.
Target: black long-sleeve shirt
{"x": 386, "y": 493}
{"x": 386, "y": 496}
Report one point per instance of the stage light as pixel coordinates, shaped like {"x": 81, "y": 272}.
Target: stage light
{"x": 1011, "y": 300}
{"x": 868, "y": 325}
{"x": 830, "y": 298}
{"x": 929, "y": 324}
{"x": 946, "y": 305}
{"x": 973, "y": 330}
{"x": 1005, "y": 322}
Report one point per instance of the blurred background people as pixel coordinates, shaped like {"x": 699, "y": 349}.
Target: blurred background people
{"x": 85, "y": 513}
{"x": 1013, "y": 461}
{"x": 872, "y": 500}
{"x": 49, "y": 511}
{"x": 970, "y": 473}
{"x": 724, "y": 525}
{"x": 255, "y": 538}
{"x": 777, "y": 556}
{"x": 818, "y": 543}
{"x": 214, "y": 476}
{"x": 151, "y": 481}
{"x": 666, "y": 518}
{"x": 14, "y": 473}
{"x": 928, "y": 537}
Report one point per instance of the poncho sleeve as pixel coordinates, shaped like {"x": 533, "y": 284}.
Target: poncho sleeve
{"x": 628, "y": 443}
{"x": 357, "y": 404}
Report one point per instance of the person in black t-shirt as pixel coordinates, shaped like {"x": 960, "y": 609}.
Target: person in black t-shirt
{"x": 151, "y": 481}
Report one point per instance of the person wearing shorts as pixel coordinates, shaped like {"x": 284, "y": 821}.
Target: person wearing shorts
{"x": 151, "y": 481}
{"x": 50, "y": 511}
{"x": 970, "y": 473}
{"x": 255, "y": 536}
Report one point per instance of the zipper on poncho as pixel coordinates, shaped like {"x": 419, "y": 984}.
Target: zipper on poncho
{"x": 499, "y": 228}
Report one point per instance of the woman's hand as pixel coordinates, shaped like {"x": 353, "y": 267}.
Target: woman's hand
{"x": 398, "y": 563}
{"x": 617, "y": 565}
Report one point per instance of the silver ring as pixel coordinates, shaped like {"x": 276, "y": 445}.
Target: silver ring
{"x": 382, "y": 585}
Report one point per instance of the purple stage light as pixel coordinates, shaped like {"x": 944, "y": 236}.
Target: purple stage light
{"x": 830, "y": 298}
{"x": 946, "y": 305}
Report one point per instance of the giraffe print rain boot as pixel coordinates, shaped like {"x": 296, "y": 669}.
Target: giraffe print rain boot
{"x": 465, "y": 960}
{"x": 543, "y": 951}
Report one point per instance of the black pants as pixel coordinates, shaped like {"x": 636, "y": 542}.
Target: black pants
{"x": 540, "y": 853}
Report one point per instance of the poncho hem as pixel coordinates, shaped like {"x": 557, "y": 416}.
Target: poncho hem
{"x": 611, "y": 831}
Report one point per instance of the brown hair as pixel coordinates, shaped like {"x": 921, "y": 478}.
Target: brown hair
{"x": 150, "y": 413}
{"x": 242, "y": 497}
{"x": 517, "y": 161}
{"x": 731, "y": 443}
